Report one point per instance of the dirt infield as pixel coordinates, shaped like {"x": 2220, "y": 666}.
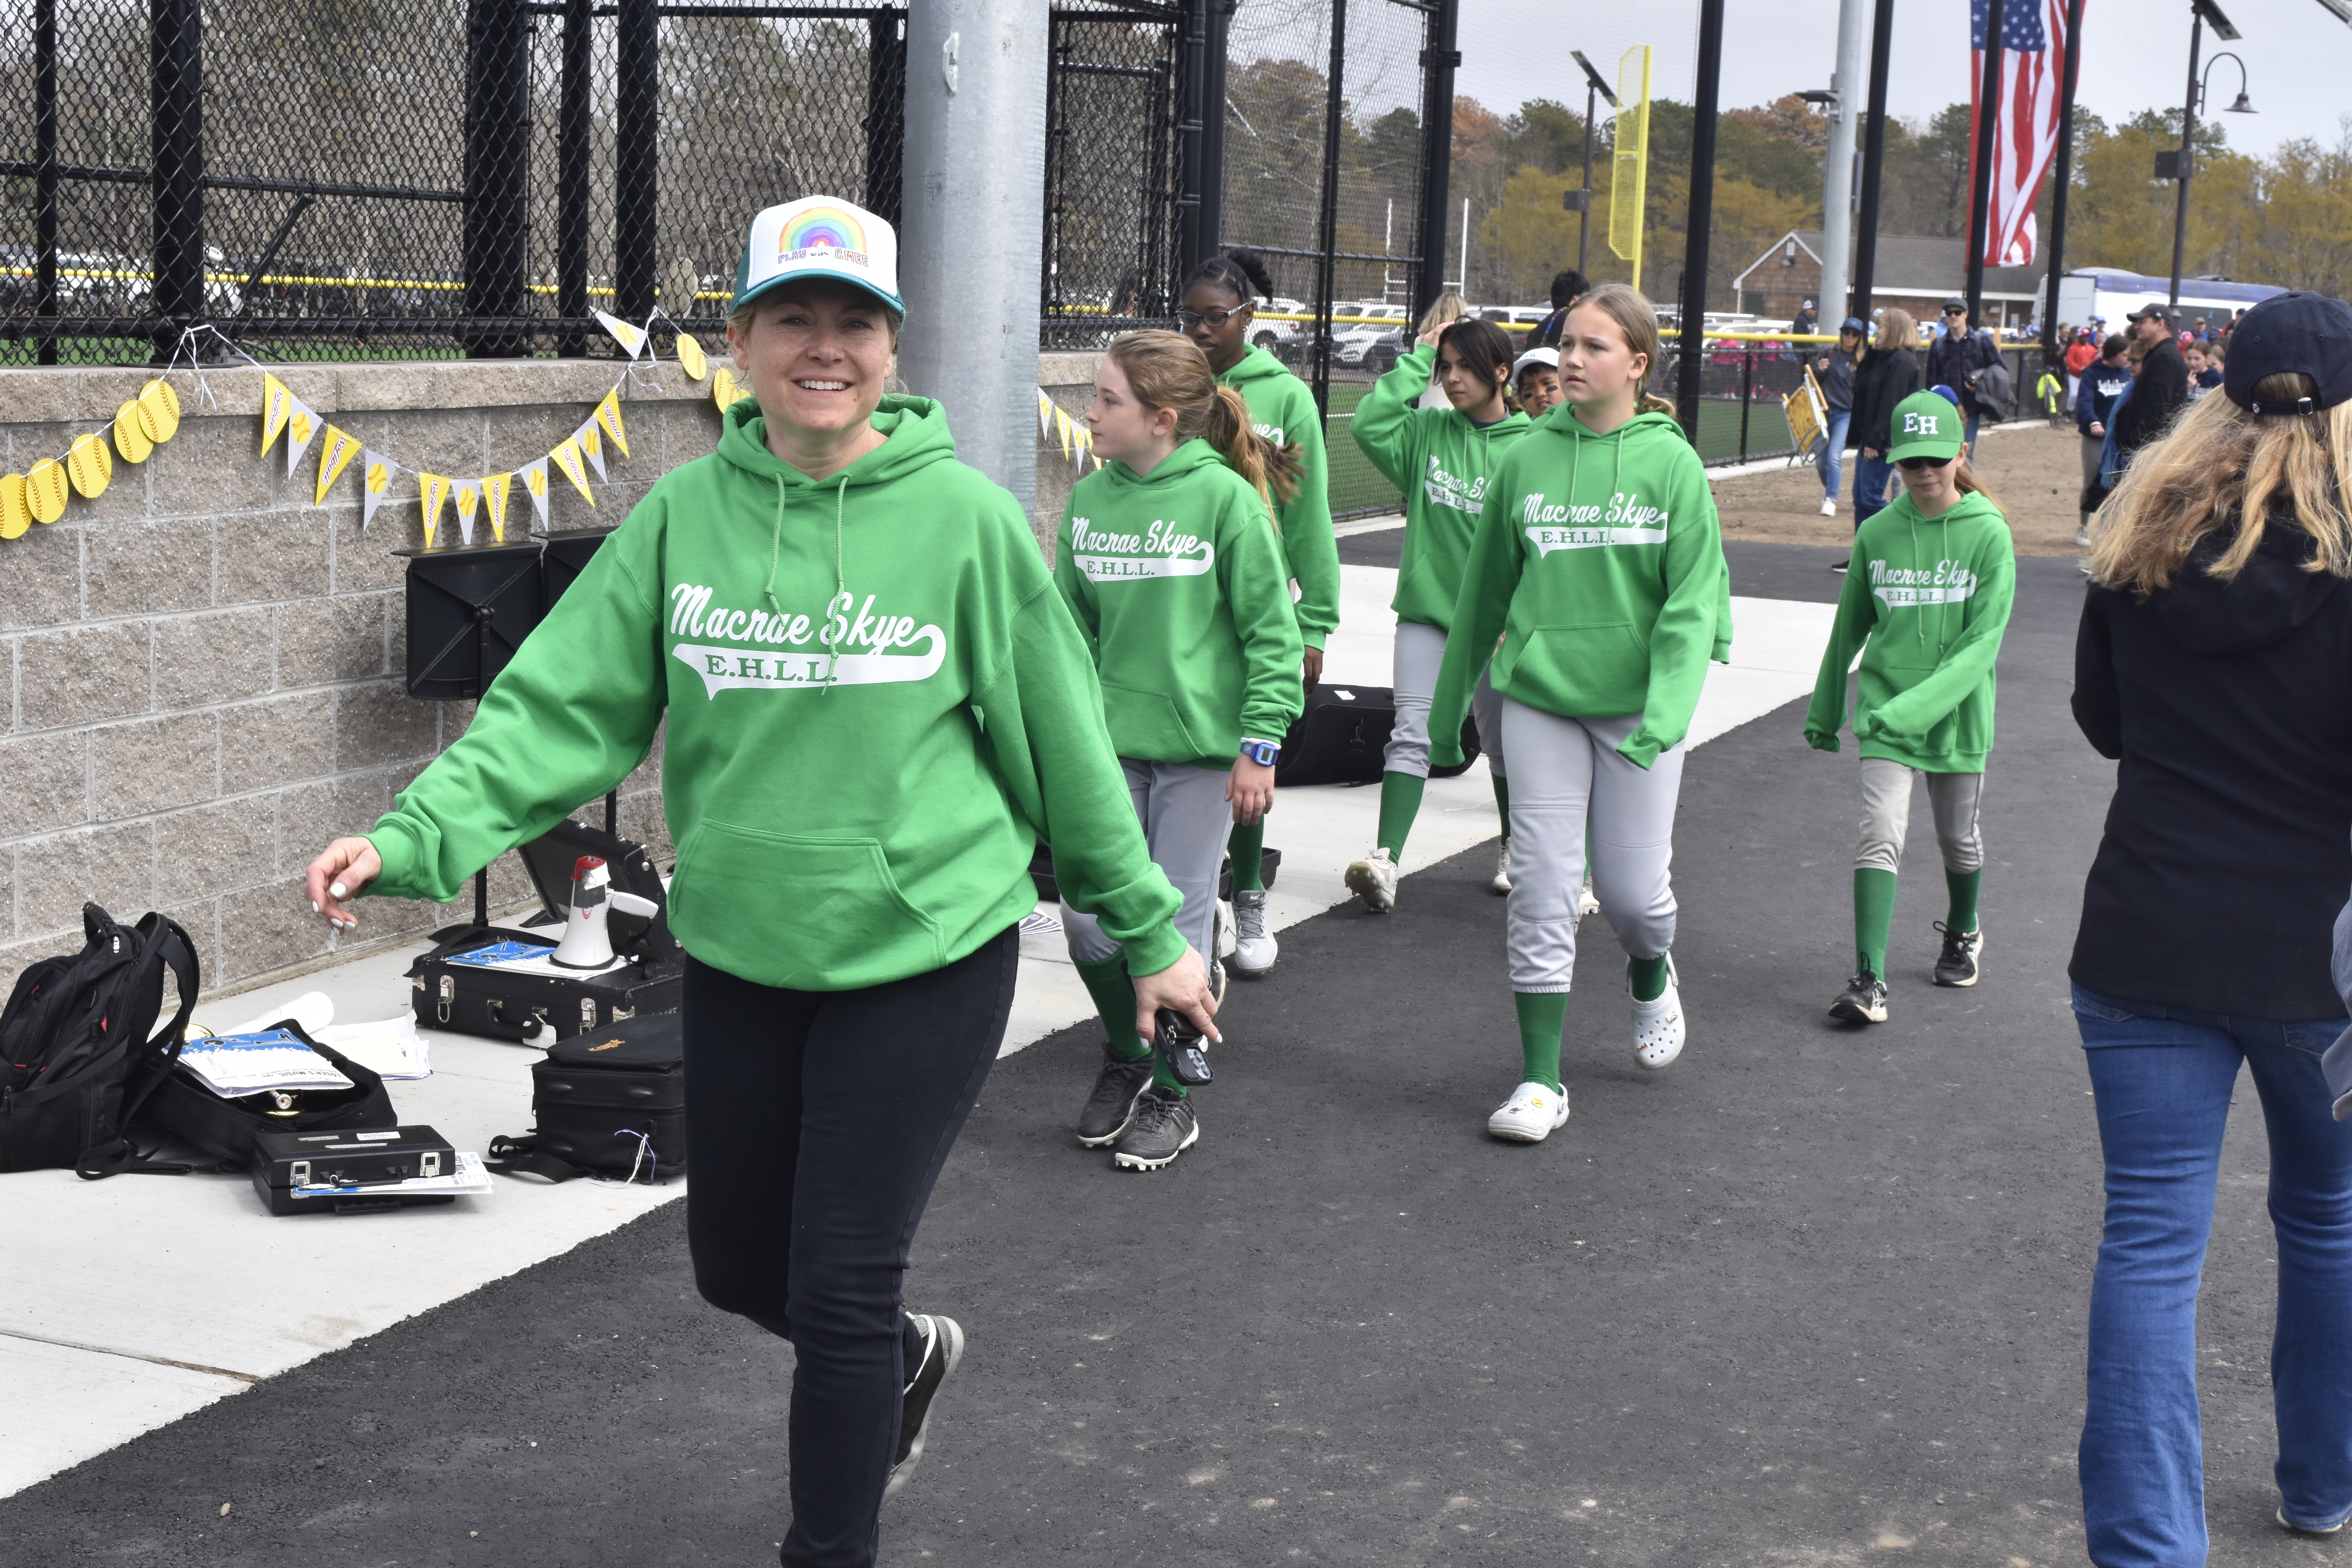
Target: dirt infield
{"x": 2035, "y": 471}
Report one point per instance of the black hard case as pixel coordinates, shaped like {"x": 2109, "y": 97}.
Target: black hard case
{"x": 330, "y": 1173}
{"x": 594, "y": 1092}
{"x": 505, "y": 1006}
{"x": 1342, "y": 736}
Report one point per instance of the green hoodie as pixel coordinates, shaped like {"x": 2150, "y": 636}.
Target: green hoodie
{"x": 1284, "y": 411}
{"x": 1599, "y": 559}
{"x": 1176, "y": 581}
{"x": 1444, "y": 464}
{"x": 875, "y": 701}
{"x": 1925, "y": 603}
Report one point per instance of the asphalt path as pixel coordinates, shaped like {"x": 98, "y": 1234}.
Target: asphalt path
{"x": 1811, "y": 1296}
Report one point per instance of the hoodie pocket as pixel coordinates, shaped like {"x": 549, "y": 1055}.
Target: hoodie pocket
{"x": 828, "y": 904}
{"x": 1146, "y": 725}
{"x": 1584, "y": 659}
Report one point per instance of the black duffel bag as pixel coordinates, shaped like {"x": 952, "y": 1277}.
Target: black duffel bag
{"x": 1342, "y": 737}
{"x": 609, "y": 1102}
{"x": 78, "y": 1045}
{"x": 184, "y": 1108}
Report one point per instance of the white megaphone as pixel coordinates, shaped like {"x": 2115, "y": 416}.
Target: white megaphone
{"x": 586, "y": 944}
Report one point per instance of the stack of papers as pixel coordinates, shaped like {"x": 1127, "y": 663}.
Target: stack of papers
{"x": 232, "y": 1065}
{"x": 468, "y": 1180}
{"x": 392, "y": 1048}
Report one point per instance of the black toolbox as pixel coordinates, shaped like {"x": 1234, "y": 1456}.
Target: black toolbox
{"x": 485, "y": 980}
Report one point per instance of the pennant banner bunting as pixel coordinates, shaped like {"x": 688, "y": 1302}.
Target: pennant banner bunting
{"x": 335, "y": 454}
{"x": 301, "y": 426}
{"x": 534, "y": 479}
{"x": 467, "y": 498}
{"x": 633, "y": 339}
{"x": 494, "y": 501}
{"x": 608, "y": 414}
{"x": 722, "y": 389}
{"x": 591, "y": 441}
{"x": 375, "y": 479}
{"x": 277, "y": 404}
{"x": 691, "y": 359}
{"x": 434, "y": 490}
{"x": 567, "y": 457}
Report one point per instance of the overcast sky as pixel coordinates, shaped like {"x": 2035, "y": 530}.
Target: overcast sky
{"x": 2298, "y": 57}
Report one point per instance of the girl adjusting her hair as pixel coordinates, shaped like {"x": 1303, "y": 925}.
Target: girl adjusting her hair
{"x": 1218, "y": 313}
{"x": 2214, "y": 663}
{"x": 1599, "y": 561}
{"x": 1443, "y": 460}
{"x": 819, "y": 610}
{"x": 1167, "y": 559}
{"x": 1926, "y": 603}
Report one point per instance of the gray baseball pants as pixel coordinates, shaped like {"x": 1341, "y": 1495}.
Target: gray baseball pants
{"x": 1186, "y": 820}
{"x": 1420, "y": 649}
{"x": 1955, "y": 798}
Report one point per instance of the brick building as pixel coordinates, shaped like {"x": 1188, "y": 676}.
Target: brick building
{"x": 1915, "y": 273}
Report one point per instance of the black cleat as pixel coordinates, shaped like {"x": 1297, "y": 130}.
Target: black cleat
{"x": 1164, "y": 1127}
{"x": 942, "y": 1349}
{"x": 1111, "y": 1107}
{"x": 1957, "y": 965}
{"x": 1863, "y": 1001}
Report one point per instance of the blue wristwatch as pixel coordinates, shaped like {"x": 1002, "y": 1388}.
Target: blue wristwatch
{"x": 1262, "y": 752}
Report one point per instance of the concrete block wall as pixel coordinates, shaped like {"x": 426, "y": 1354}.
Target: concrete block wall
{"x": 201, "y": 672}
{"x": 1069, "y": 380}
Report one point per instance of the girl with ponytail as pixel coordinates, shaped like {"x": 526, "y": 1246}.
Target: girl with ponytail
{"x": 1169, "y": 560}
{"x": 1598, "y": 561}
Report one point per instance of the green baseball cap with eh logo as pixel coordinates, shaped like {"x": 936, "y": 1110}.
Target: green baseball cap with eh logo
{"x": 1924, "y": 425}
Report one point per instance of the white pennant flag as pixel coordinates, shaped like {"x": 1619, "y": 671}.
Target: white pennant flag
{"x": 534, "y": 479}
{"x": 591, "y": 437}
{"x": 632, "y": 338}
{"x": 302, "y": 427}
{"x": 468, "y": 497}
{"x": 375, "y": 480}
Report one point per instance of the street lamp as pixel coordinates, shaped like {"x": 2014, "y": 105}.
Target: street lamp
{"x": 2183, "y": 162}
{"x": 1581, "y": 202}
{"x": 2244, "y": 105}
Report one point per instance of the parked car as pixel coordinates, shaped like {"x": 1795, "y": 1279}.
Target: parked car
{"x": 1372, "y": 348}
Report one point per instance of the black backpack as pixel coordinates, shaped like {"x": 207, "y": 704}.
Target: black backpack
{"x": 78, "y": 1032}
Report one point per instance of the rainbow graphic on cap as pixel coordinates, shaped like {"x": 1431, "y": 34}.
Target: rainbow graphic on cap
{"x": 821, "y": 228}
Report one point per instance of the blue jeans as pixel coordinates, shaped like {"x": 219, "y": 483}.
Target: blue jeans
{"x": 1833, "y": 455}
{"x": 1871, "y": 477}
{"x": 2162, "y": 1077}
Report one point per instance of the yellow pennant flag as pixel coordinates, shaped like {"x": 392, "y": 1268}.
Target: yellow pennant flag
{"x": 690, "y": 357}
{"x": 276, "y": 407}
{"x": 494, "y": 501}
{"x": 1044, "y": 414}
{"x": 375, "y": 480}
{"x": 723, "y": 389}
{"x": 1062, "y": 429}
{"x": 608, "y": 414}
{"x": 534, "y": 480}
{"x": 434, "y": 490}
{"x": 467, "y": 498}
{"x": 591, "y": 441}
{"x": 335, "y": 454}
{"x": 630, "y": 338}
{"x": 567, "y": 457}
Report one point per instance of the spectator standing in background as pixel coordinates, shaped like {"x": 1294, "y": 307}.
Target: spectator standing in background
{"x": 2081, "y": 356}
{"x": 1888, "y": 374}
{"x": 2159, "y": 391}
{"x": 1958, "y": 358}
{"x": 2104, "y": 383}
{"x": 1836, "y": 371}
{"x": 1567, "y": 288}
{"x": 1803, "y": 325}
{"x": 2204, "y": 375}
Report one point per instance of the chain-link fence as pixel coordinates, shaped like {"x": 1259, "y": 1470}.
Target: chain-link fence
{"x": 1114, "y": 120}
{"x": 414, "y": 176}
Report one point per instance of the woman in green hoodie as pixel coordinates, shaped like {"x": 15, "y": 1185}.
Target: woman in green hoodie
{"x": 1926, "y": 601}
{"x": 875, "y": 703}
{"x": 1443, "y": 460}
{"x": 1598, "y": 561}
{"x": 1219, "y": 307}
{"x": 1167, "y": 559}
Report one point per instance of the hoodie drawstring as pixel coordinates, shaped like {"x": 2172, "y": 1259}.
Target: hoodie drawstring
{"x": 776, "y": 553}
{"x": 776, "y": 548}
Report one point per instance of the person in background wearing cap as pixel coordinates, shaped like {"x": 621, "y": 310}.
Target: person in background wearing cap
{"x": 1802, "y": 325}
{"x": 2160, "y": 387}
{"x": 2214, "y": 662}
{"x": 820, "y": 610}
{"x": 1926, "y": 602}
{"x": 1534, "y": 375}
{"x": 1836, "y": 371}
{"x": 2105, "y": 384}
{"x": 1958, "y": 357}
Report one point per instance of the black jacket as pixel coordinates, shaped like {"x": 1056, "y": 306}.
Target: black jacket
{"x": 2229, "y": 841}
{"x": 1837, "y": 381}
{"x": 2159, "y": 391}
{"x": 1955, "y": 362}
{"x": 1884, "y": 378}
{"x": 2102, "y": 384}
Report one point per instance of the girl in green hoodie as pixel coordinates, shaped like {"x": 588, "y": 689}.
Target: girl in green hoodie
{"x": 1598, "y": 561}
{"x": 1926, "y": 601}
{"x": 874, "y": 702}
{"x": 1219, "y": 310}
{"x": 1168, "y": 562}
{"x": 1443, "y": 460}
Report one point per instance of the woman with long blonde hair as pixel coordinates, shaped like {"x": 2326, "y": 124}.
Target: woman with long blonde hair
{"x": 1888, "y": 374}
{"x": 2214, "y": 663}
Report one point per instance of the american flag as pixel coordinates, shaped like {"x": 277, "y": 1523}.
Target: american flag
{"x": 2033, "y": 69}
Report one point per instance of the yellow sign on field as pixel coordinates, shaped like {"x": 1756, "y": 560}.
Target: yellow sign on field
{"x": 1629, "y": 171}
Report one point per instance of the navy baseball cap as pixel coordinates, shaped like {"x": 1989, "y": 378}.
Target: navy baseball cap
{"x": 2297, "y": 331}
{"x": 1854, "y": 324}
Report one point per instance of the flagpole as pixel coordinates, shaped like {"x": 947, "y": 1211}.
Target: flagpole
{"x": 1874, "y": 160}
{"x": 2064, "y": 174}
{"x": 1980, "y": 188}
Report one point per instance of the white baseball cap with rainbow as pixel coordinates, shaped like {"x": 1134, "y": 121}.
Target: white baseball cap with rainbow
{"x": 820, "y": 237}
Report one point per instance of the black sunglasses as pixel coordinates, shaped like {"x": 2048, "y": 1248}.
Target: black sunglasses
{"x": 1213, "y": 319}
{"x": 1914, "y": 464}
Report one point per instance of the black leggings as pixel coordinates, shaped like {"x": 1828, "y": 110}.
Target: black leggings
{"x": 816, "y": 1124}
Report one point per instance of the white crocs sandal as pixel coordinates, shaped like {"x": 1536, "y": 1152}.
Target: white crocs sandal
{"x": 1658, "y": 1024}
{"x": 1532, "y": 1114}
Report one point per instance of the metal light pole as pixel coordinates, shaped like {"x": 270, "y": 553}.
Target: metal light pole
{"x": 1874, "y": 160}
{"x": 1437, "y": 154}
{"x": 1690, "y": 348}
{"x": 2185, "y": 161}
{"x": 1837, "y": 168}
{"x": 2064, "y": 174}
{"x": 1980, "y": 188}
{"x": 1581, "y": 202}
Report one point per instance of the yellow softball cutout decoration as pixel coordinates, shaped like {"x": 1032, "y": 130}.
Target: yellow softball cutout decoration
{"x": 130, "y": 441}
{"x": 16, "y": 516}
{"x": 690, "y": 356}
{"x": 379, "y": 477}
{"x": 44, "y": 490}
{"x": 723, "y": 389}
{"x": 159, "y": 411}
{"x": 89, "y": 466}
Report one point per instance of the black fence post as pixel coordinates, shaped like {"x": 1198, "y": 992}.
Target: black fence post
{"x": 571, "y": 177}
{"x": 636, "y": 159}
{"x": 1437, "y": 65}
{"x": 1873, "y": 162}
{"x": 1212, "y": 128}
{"x": 886, "y": 114}
{"x": 2062, "y": 179}
{"x": 176, "y": 103}
{"x": 44, "y": 173}
{"x": 1327, "y": 266}
{"x": 1691, "y": 347}
{"x": 1987, "y": 128}
{"x": 1747, "y": 394}
{"x": 498, "y": 171}
{"x": 1195, "y": 238}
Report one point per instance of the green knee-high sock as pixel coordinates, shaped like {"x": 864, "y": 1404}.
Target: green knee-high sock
{"x": 1400, "y": 802}
{"x": 1247, "y": 847}
{"x": 1648, "y": 975}
{"x": 1503, "y": 802}
{"x": 1107, "y": 983}
{"x": 1542, "y": 1016}
{"x": 1873, "y": 916}
{"x": 1165, "y": 1076}
{"x": 1964, "y": 887}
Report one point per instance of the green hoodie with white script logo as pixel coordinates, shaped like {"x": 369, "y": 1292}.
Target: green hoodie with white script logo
{"x": 1282, "y": 411}
{"x": 1599, "y": 559}
{"x": 876, "y": 704}
{"x": 1444, "y": 465}
{"x": 1176, "y": 580}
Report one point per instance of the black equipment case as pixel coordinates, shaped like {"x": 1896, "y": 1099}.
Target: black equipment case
{"x": 345, "y": 1173}
{"x": 456, "y": 989}
{"x": 1343, "y": 735}
{"x": 608, "y": 1102}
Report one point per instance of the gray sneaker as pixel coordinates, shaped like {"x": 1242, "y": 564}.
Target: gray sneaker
{"x": 1163, "y": 1128}
{"x": 1255, "y": 949}
{"x": 1111, "y": 1107}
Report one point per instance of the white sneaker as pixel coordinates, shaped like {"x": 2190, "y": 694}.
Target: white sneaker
{"x": 1255, "y": 949}
{"x": 1533, "y": 1113}
{"x": 1502, "y": 882}
{"x": 1586, "y": 903}
{"x": 2082, "y": 539}
{"x": 1373, "y": 880}
{"x": 1657, "y": 1025}
{"x": 1226, "y": 937}
{"x": 1829, "y": 507}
